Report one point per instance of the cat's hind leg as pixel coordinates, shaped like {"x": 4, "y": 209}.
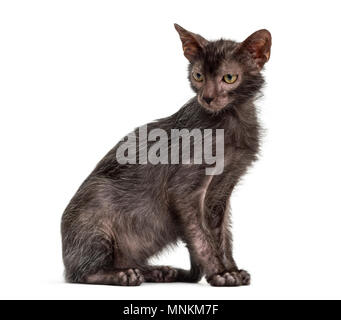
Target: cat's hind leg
{"x": 91, "y": 261}
{"x": 90, "y": 256}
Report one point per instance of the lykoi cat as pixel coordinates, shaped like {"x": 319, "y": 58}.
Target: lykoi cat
{"x": 124, "y": 213}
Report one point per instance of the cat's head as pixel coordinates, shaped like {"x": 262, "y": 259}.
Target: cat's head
{"x": 224, "y": 73}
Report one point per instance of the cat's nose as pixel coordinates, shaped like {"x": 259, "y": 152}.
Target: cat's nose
{"x": 208, "y": 100}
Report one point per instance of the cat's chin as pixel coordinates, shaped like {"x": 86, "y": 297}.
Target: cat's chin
{"x": 214, "y": 109}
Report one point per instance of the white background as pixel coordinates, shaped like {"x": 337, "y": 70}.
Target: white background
{"x": 76, "y": 76}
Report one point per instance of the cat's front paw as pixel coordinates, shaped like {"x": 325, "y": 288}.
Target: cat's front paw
{"x": 230, "y": 279}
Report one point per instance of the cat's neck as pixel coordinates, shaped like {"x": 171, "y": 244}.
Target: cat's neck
{"x": 239, "y": 122}
{"x": 241, "y": 126}
{"x": 192, "y": 113}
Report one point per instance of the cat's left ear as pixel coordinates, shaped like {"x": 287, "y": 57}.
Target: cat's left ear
{"x": 192, "y": 43}
{"x": 259, "y": 45}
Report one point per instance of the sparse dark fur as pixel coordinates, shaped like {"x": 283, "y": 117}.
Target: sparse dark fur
{"x": 124, "y": 214}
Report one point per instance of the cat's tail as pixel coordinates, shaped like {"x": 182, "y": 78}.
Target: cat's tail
{"x": 193, "y": 275}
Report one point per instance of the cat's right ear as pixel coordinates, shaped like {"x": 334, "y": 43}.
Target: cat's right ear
{"x": 192, "y": 43}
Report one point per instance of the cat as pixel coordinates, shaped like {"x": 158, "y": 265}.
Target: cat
{"x": 123, "y": 214}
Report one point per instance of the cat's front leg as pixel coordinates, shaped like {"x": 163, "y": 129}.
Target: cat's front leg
{"x": 217, "y": 217}
{"x": 232, "y": 275}
{"x": 223, "y": 239}
{"x": 202, "y": 247}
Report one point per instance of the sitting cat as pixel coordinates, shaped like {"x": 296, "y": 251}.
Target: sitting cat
{"x": 124, "y": 213}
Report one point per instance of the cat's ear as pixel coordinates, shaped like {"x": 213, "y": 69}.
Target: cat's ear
{"x": 259, "y": 45}
{"x": 192, "y": 43}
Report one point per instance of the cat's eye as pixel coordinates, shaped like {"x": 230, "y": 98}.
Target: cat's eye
{"x": 230, "y": 78}
{"x": 198, "y": 76}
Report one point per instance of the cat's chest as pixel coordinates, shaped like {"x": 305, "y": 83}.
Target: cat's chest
{"x": 240, "y": 151}
{"x": 237, "y": 159}
{"x": 241, "y": 147}
{"x": 236, "y": 162}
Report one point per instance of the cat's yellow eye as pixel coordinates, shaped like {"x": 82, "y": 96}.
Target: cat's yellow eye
{"x": 198, "y": 76}
{"x": 230, "y": 78}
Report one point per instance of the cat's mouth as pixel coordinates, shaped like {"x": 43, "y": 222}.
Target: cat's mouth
{"x": 215, "y": 105}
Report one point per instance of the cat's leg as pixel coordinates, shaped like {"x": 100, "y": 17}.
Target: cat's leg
{"x": 91, "y": 256}
{"x": 225, "y": 242}
{"x": 206, "y": 240}
{"x": 171, "y": 274}
{"x": 91, "y": 261}
{"x": 223, "y": 239}
{"x": 202, "y": 247}
{"x": 218, "y": 220}
{"x": 124, "y": 277}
